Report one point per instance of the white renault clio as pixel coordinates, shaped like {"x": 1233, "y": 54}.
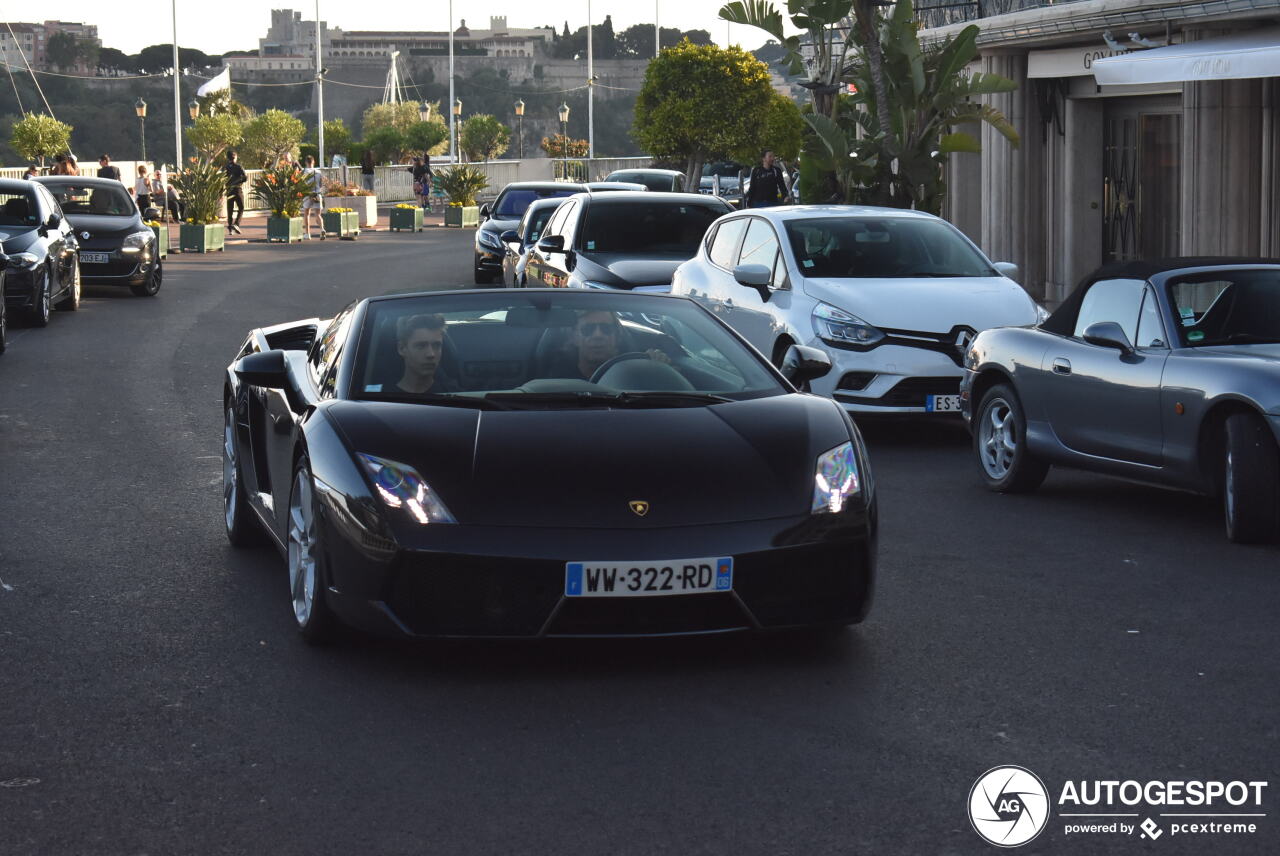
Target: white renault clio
{"x": 893, "y": 296}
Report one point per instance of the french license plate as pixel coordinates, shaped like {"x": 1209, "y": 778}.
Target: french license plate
{"x": 95, "y": 258}
{"x": 648, "y": 579}
{"x": 942, "y": 404}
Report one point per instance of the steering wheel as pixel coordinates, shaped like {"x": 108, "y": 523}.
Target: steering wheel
{"x": 613, "y": 361}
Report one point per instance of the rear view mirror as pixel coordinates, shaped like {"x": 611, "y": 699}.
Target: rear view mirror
{"x": 484, "y": 211}
{"x": 752, "y": 275}
{"x": 509, "y": 237}
{"x": 53, "y": 222}
{"x": 1108, "y": 334}
{"x": 552, "y": 244}
{"x": 265, "y": 368}
{"x": 535, "y": 318}
{"x": 802, "y": 364}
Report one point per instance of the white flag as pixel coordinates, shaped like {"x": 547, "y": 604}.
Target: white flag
{"x": 216, "y": 84}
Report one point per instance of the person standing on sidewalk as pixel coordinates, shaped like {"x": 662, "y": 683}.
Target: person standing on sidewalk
{"x": 366, "y": 169}
{"x": 235, "y": 192}
{"x": 106, "y": 170}
{"x": 313, "y": 200}
{"x": 768, "y": 184}
{"x": 142, "y": 188}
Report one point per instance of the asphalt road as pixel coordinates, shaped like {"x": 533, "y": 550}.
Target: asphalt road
{"x": 154, "y": 698}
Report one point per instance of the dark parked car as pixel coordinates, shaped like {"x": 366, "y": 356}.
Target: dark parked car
{"x": 613, "y": 186}
{"x": 1165, "y": 372}
{"x": 117, "y": 247}
{"x": 41, "y": 268}
{"x": 520, "y": 240}
{"x": 621, "y": 240}
{"x": 522, "y": 500}
{"x": 658, "y": 180}
{"x": 733, "y": 180}
{"x": 503, "y": 214}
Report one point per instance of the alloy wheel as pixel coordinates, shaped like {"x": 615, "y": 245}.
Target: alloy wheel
{"x": 230, "y": 469}
{"x": 998, "y": 441}
{"x": 302, "y": 560}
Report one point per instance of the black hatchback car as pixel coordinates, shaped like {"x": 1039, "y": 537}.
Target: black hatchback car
{"x": 504, "y": 214}
{"x": 40, "y": 252}
{"x": 117, "y": 247}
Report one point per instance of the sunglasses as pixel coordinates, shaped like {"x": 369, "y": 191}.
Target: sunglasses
{"x": 604, "y": 327}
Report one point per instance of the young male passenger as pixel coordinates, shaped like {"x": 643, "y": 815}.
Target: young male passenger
{"x": 420, "y": 343}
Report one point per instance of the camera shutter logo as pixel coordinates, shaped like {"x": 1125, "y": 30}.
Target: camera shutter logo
{"x": 1008, "y": 806}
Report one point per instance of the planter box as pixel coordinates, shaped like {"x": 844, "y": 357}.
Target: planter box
{"x": 465, "y": 216}
{"x": 366, "y": 207}
{"x": 202, "y": 238}
{"x": 406, "y": 218}
{"x": 284, "y": 230}
{"x": 344, "y": 224}
{"x": 162, "y": 240}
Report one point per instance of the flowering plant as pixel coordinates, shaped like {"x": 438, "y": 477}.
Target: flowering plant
{"x": 154, "y": 224}
{"x": 462, "y": 183}
{"x": 405, "y": 205}
{"x": 337, "y": 188}
{"x": 202, "y": 185}
{"x": 282, "y": 189}
{"x": 339, "y": 210}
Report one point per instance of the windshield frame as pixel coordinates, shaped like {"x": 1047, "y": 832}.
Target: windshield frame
{"x": 1204, "y": 276}
{"x": 958, "y": 238}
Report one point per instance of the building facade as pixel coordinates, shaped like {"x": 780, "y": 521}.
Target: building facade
{"x": 1107, "y": 172}
{"x": 21, "y": 44}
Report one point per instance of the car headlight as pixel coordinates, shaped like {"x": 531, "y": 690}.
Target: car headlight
{"x": 400, "y": 486}
{"x": 490, "y": 241}
{"x": 24, "y": 260}
{"x": 837, "y": 327}
{"x": 834, "y": 480}
{"x": 137, "y": 242}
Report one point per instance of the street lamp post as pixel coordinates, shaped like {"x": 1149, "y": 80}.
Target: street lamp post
{"x": 520, "y": 127}
{"x": 140, "y": 107}
{"x": 424, "y": 112}
{"x": 564, "y": 140}
{"x": 193, "y": 109}
{"x": 457, "y": 117}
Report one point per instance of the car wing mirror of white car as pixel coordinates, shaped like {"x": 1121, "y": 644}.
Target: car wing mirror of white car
{"x": 754, "y": 276}
{"x": 1007, "y": 269}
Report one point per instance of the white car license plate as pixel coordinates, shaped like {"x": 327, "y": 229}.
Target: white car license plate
{"x": 648, "y": 579}
{"x": 942, "y": 404}
{"x": 95, "y": 258}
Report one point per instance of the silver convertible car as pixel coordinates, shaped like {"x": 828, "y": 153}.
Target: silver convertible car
{"x": 1165, "y": 372}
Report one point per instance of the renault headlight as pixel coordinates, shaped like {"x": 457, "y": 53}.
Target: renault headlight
{"x": 837, "y": 327}
{"x": 137, "y": 242}
{"x": 835, "y": 480}
{"x": 400, "y": 486}
{"x": 28, "y": 261}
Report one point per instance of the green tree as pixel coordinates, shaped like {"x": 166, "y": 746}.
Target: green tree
{"x": 272, "y": 136}
{"x": 337, "y": 137}
{"x": 63, "y": 49}
{"x": 783, "y": 131}
{"x": 560, "y": 146}
{"x": 700, "y": 102}
{"x": 387, "y": 143}
{"x": 401, "y": 116}
{"x": 431, "y": 137}
{"x": 483, "y": 137}
{"x": 36, "y": 137}
{"x": 211, "y": 135}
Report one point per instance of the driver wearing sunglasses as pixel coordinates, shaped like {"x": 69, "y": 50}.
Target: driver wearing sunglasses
{"x": 597, "y": 338}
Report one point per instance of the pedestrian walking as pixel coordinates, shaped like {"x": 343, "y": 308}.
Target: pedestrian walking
{"x": 311, "y": 204}
{"x": 59, "y": 165}
{"x": 367, "y": 170}
{"x": 142, "y": 188}
{"x": 421, "y": 182}
{"x": 106, "y": 170}
{"x": 768, "y": 183}
{"x": 73, "y": 168}
{"x": 235, "y": 192}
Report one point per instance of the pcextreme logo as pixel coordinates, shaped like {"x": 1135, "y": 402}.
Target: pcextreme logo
{"x": 1010, "y": 806}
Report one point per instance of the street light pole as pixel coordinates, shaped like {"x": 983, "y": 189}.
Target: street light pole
{"x": 520, "y": 127}
{"x": 140, "y": 107}
{"x": 657, "y": 33}
{"x": 591, "y": 91}
{"x": 455, "y": 118}
{"x": 177, "y": 95}
{"x": 453, "y": 134}
{"x": 564, "y": 140}
{"x": 319, "y": 93}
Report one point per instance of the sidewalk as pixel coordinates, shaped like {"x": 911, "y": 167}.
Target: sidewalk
{"x": 254, "y": 227}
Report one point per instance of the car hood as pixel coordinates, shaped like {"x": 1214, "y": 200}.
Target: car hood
{"x": 619, "y": 271}
{"x": 103, "y": 226}
{"x": 748, "y": 460}
{"x": 496, "y": 226}
{"x": 928, "y": 304}
{"x": 16, "y": 239}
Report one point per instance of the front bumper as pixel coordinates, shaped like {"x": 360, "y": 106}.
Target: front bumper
{"x": 119, "y": 269}
{"x": 804, "y": 571}
{"x": 19, "y": 288}
{"x": 890, "y": 379}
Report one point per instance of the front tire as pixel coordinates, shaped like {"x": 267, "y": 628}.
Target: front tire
{"x": 71, "y": 302}
{"x": 151, "y": 285}
{"x": 242, "y": 529}
{"x": 40, "y": 306}
{"x": 4, "y": 321}
{"x": 1250, "y": 468}
{"x": 315, "y": 621}
{"x": 1000, "y": 443}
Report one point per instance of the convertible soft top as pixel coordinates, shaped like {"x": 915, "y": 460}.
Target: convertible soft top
{"x": 1063, "y": 319}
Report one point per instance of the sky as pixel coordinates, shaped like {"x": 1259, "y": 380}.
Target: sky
{"x": 226, "y": 25}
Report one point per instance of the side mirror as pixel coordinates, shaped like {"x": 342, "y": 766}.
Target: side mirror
{"x": 265, "y": 368}
{"x": 754, "y": 276}
{"x": 1007, "y": 269}
{"x": 511, "y": 236}
{"x": 53, "y": 222}
{"x": 551, "y": 244}
{"x": 802, "y": 364}
{"x": 1108, "y": 334}
{"x": 484, "y": 211}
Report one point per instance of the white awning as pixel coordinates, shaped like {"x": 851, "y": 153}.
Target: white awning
{"x": 1231, "y": 57}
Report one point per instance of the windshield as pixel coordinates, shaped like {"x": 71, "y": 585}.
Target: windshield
{"x": 724, "y": 170}
{"x": 18, "y": 209}
{"x": 869, "y": 247}
{"x": 537, "y": 350}
{"x": 93, "y": 199}
{"x": 651, "y": 181}
{"x": 647, "y": 228}
{"x": 536, "y": 220}
{"x": 514, "y": 200}
{"x": 1236, "y": 307}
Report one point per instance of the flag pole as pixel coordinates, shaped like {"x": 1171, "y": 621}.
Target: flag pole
{"x": 177, "y": 95}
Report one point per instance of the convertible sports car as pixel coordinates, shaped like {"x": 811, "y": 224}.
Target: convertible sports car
{"x": 1165, "y": 371}
{"x": 544, "y": 463}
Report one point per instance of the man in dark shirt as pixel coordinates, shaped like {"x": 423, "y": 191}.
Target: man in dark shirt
{"x": 235, "y": 192}
{"x": 106, "y": 170}
{"x": 768, "y": 184}
{"x": 420, "y": 343}
{"x": 597, "y": 338}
